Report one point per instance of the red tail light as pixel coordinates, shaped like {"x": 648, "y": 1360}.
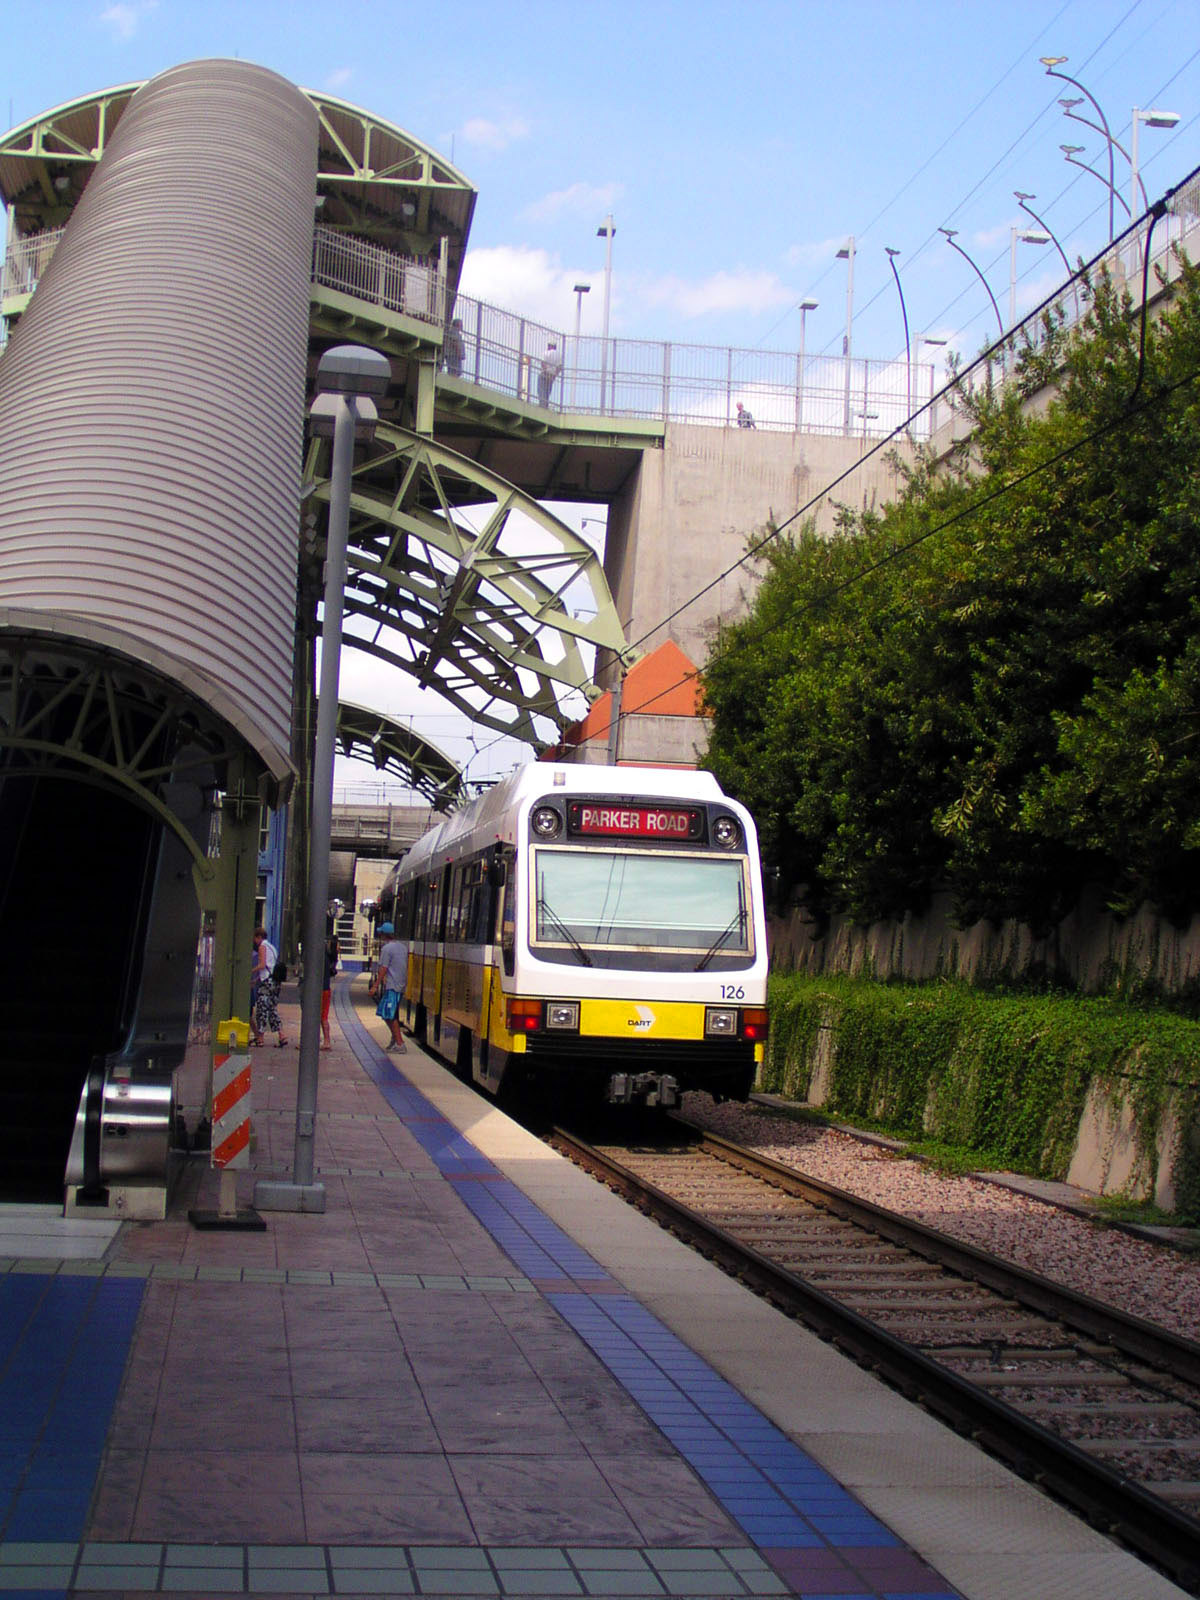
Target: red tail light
{"x": 754, "y": 1023}
{"x": 524, "y": 1016}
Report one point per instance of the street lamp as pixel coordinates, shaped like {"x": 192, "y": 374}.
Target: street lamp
{"x": 932, "y": 341}
{"x": 578, "y": 291}
{"x": 891, "y": 255}
{"x": 1152, "y": 119}
{"x": 1021, "y": 198}
{"x": 1019, "y": 236}
{"x": 605, "y": 231}
{"x": 950, "y": 234}
{"x": 1051, "y": 64}
{"x": 350, "y": 378}
{"x": 1070, "y": 151}
{"x": 805, "y": 307}
{"x": 846, "y": 254}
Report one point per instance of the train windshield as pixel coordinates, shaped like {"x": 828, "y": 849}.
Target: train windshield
{"x": 636, "y": 900}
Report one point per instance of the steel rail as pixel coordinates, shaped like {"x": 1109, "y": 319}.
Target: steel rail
{"x": 1106, "y": 1499}
{"x": 1133, "y": 1335}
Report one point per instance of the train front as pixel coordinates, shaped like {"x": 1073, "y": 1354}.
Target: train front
{"x": 638, "y": 945}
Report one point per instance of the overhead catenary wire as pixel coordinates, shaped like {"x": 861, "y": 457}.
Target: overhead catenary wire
{"x": 1134, "y": 407}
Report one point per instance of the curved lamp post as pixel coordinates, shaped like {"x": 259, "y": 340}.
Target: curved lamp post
{"x": 1051, "y": 64}
{"x": 1021, "y": 198}
{"x": 950, "y": 236}
{"x": 891, "y": 255}
{"x": 1070, "y": 151}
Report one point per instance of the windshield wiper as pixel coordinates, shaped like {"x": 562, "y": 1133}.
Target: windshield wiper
{"x": 737, "y": 920}
{"x": 543, "y": 910}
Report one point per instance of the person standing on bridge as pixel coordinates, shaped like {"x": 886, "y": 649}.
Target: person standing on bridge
{"x": 744, "y": 418}
{"x": 390, "y": 982}
{"x": 548, "y": 376}
{"x": 453, "y": 349}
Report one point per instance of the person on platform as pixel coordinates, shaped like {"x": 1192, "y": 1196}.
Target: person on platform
{"x": 331, "y": 966}
{"x": 453, "y": 349}
{"x": 744, "y": 418}
{"x": 548, "y": 376}
{"x": 390, "y": 982}
{"x": 266, "y": 1005}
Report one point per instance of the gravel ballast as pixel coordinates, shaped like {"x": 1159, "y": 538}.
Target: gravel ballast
{"x": 1145, "y": 1279}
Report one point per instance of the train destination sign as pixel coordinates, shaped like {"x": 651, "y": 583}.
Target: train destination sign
{"x": 622, "y": 820}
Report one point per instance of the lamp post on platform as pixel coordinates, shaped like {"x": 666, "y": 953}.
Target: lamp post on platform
{"x": 805, "y": 307}
{"x": 1152, "y": 119}
{"x": 846, "y": 254}
{"x": 605, "y": 231}
{"x": 1019, "y": 236}
{"x": 350, "y": 378}
{"x": 579, "y": 291}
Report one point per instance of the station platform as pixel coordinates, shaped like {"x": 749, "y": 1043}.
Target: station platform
{"x": 477, "y": 1373}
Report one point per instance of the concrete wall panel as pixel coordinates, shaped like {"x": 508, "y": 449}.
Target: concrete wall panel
{"x": 152, "y": 396}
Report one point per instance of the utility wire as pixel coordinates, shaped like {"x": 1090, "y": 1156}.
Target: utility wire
{"x": 1132, "y": 409}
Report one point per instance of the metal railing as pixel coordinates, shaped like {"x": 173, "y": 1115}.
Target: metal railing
{"x": 641, "y": 379}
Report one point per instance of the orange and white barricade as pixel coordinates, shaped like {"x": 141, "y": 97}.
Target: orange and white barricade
{"x": 231, "y": 1097}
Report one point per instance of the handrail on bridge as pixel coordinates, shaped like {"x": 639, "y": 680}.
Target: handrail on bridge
{"x": 638, "y": 379}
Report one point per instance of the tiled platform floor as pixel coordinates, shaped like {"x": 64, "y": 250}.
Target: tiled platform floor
{"x": 430, "y": 1389}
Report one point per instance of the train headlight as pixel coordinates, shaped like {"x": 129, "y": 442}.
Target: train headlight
{"x": 727, "y": 834}
{"x": 563, "y": 1015}
{"x": 720, "y": 1022}
{"x": 546, "y": 822}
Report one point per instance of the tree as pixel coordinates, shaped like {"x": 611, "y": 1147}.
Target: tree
{"x": 992, "y": 684}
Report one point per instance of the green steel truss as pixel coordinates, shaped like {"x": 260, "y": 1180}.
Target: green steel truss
{"x": 70, "y": 708}
{"x": 457, "y": 577}
{"x": 376, "y": 180}
{"x": 366, "y": 735}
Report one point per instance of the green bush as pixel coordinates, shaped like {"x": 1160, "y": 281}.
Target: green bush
{"x": 1005, "y": 1074}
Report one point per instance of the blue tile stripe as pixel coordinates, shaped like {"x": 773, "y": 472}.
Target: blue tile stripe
{"x": 64, "y": 1342}
{"x": 775, "y": 1492}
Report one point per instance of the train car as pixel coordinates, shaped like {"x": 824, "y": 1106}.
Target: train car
{"x": 596, "y": 934}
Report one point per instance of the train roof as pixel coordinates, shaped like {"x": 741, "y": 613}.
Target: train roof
{"x": 493, "y": 817}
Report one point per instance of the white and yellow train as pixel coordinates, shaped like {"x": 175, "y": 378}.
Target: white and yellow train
{"x": 592, "y": 933}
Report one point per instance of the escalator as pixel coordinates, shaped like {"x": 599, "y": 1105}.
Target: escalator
{"x": 77, "y": 864}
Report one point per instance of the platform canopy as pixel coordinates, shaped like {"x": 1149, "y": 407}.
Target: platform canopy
{"x": 373, "y": 179}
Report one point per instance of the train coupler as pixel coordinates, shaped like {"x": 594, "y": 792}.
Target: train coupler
{"x": 648, "y": 1088}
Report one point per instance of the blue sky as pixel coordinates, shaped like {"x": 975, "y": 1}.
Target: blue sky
{"x": 737, "y": 145}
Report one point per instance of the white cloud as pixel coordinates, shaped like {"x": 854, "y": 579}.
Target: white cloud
{"x": 742, "y": 290}
{"x": 339, "y": 78}
{"x": 494, "y": 135}
{"x": 532, "y": 283}
{"x": 125, "y": 18}
{"x": 578, "y": 199}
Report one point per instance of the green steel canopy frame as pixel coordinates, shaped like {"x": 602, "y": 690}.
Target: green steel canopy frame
{"x": 366, "y": 735}
{"x": 375, "y": 179}
{"x": 473, "y": 587}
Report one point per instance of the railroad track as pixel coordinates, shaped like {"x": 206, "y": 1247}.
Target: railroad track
{"x": 1100, "y": 1408}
